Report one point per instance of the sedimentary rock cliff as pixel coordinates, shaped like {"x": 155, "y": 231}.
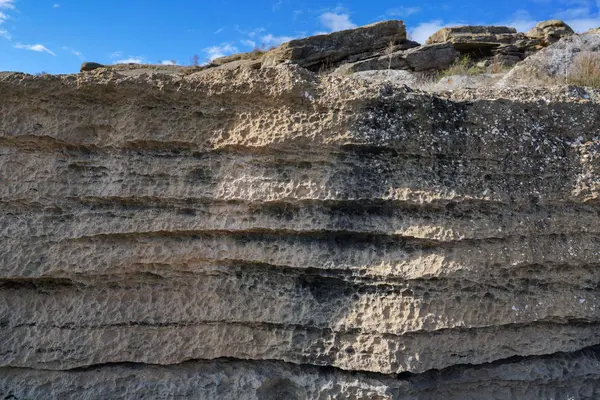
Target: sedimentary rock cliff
{"x": 275, "y": 234}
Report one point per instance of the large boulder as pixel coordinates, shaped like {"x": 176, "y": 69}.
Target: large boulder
{"x": 473, "y": 38}
{"x": 548, "y": 32}
{"x": 90, "y": 66}
{"x": 552, "y": 64}
{"x": 326, "y": 51}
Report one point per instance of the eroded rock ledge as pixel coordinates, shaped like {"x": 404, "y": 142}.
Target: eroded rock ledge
{"x": 293, "y": 223}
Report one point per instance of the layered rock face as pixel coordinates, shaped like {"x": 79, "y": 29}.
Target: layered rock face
{"x": 273, "y": 234}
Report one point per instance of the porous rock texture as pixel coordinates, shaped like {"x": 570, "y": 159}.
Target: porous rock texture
{"x": 275, "y": 234}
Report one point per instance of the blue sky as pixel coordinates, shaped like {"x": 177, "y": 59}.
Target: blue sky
{"x": 55, "y": 36}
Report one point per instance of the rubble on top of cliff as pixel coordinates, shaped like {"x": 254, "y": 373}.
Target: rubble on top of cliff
{"x": 463, "y": 62}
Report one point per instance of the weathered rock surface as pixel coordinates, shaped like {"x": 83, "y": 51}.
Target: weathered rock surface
{"x": 548, "y": 32}
{"x": 154, "y": 226}
{"x": 90, "y": 66}
{"x": 326, "y": 51}
{"x": 500, "y": 43}
{"x": 422, "y": 58}
{"x": 552, "y": 62}
{"x": 474, "y": 37}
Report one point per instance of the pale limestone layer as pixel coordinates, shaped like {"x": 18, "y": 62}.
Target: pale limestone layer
{"x": 276, "y": 215}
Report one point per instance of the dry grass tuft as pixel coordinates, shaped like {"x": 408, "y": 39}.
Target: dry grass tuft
{"x": 463, "y": 66}
{"x": 585, "y": 70}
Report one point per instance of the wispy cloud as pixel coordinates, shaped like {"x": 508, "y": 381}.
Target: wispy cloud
{"x": 521, "y": 20}
{"x": 336, "y": 22}
{"x": 271, "y": 40}
{"x": 73, "y": 51}
{"x": 277, "y": 5}
{"x": 582, "y": 15}
{"x": 425, "y": 29}
{"x": 34, "y": 47}
{"x": 131, "y": 60}
{"x": 115, "y": 54}
{"x": 56, "y": 5}
{"x": 169, "y": 62}
{"x": 7, "y": 5}
{"x": 219, "y": 51}
{"x": 402, "y": 12}
{"x": 248, "y": 43}
{"x": 10, "y": 4}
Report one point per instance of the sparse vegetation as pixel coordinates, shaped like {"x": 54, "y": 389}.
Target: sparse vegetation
{"x": 389, "y": 51}
{"x": 585, "y": 70}
{"x": 497, "y": 67}
{"x": 463, "y": 66}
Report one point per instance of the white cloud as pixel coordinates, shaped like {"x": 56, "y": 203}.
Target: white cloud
{"x": 7, "y": 4}
{"x": 256, "y": 32}
{"x": 219, "y": 51}
{"x": 583, "y": 24}
{"x": 571, "y": 13}
{"x": 131, "y": 60}
{"x": 248, "y": 43}
{"x": 270, "y": 40}
{"x": 521, "y": 20}
{"x": 581, "y": 17}
{"x": 403, "y": 12}
{"x": 115, "y": 55}
{"x": 336, "y": 22}
{"x": 276, "y": 6}
{"x": 425, "y": 29}
{"x": 56, "y": 5}
{"x": 34, "y": 47}
{"x": 169, "y": 62}
{"x": 74, "y": 52}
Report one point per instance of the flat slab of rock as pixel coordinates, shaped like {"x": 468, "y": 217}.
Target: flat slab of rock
{"x": 422, "y": 58}
{"x": 473, "y": 37}
{"x": 323, "y": 51}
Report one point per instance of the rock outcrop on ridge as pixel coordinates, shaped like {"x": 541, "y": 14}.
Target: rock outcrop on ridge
{"x": 275, "y": 233}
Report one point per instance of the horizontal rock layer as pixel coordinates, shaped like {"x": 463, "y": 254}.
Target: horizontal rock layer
{"x": 271, "y": 215}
